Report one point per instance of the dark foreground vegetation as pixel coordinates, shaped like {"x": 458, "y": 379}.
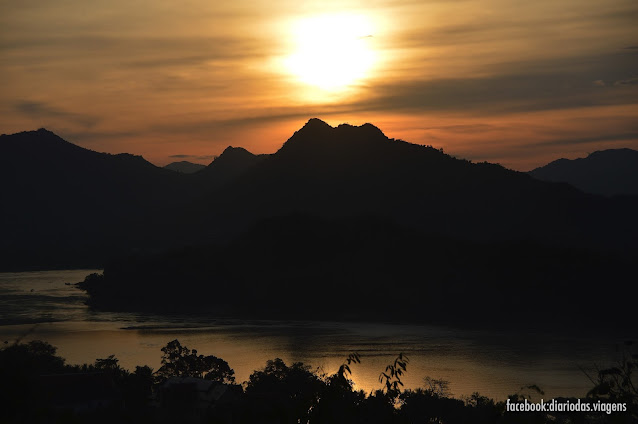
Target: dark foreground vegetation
{"x": 38, "y": 387}
{"x": 302, "y": 267}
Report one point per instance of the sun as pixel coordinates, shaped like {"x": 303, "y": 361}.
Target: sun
{"x": 333, "y": 51}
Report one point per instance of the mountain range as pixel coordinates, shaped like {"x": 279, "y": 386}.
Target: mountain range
{"x": 185, "y": 167}
{"x": 64, "y": 205}
{"x": 340, "y": 223}
{"x": 608, "y": 172}
{"x": 69, "y": 206}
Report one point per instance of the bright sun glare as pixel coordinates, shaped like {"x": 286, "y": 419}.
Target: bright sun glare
{"x": 332, "y": 51}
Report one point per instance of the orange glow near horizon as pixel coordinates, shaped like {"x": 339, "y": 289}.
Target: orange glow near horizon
{"x": 514, "y": 140}
{"x": 488, "y": 81}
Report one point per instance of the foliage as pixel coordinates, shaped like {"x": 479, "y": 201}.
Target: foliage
{"x": 35, "y": 357}
{"x": 284, "y": 393}
{"x": 294, "y": 393}
{"x": 342, "y": 376}
{"x": 338, "y": 401}
{"x": 437, "y": 387}
{"x": 180, "y": 361}
{"x": 20, "y": 366}
{"x": 391, "y": 377}
{"x": 619, "y": 383}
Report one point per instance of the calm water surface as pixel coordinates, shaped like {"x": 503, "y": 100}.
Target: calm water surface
{"x": 43, "y": 305}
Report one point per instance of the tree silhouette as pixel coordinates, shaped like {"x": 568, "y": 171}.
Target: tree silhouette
{"x": 619, "y": 384}
{"x": 286, "y": 394}
{"x": 180, "y": 361}
{"x": 391, "y": 377}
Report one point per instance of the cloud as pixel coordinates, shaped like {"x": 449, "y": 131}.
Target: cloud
{"x": 189, "y": 51}
{"x": 134, "y": 51}
{"x": 98, "y": 135}
{"x": 535, "y": 23}
{"x": 41, "y": 110}
{"x": 584, "y": 140}
{"x": 628, "y": 81}
{"x": 550, "y": 84}
{"x": 464, "y": 129}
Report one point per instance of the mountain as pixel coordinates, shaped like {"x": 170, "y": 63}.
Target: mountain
{"x": 64, "y": 205}
{"x": 347, "y": 171}
{"x": 72, "y": 206}
{"x": 369, "y": 269}
{"x": 607, "y": 172}
{"x": 233, "y": 162}
{"x": 185, "y": 167}
{"x": 341, "y": 223}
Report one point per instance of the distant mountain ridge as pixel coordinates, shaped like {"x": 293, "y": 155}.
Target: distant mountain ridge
{"x": 67, "y": 203}
{"x": 70, "y": 206}
{"x": 233, "y": 162}
{"x": 185, "y": 167}
{"x": 72, "y": 203}
{"x": 607, "y": 172}
{"x": 332, "y": 172}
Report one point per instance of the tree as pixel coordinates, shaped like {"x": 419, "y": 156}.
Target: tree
{"x": 391, "y": 377}
{"x": 287, "y": 394}
{"x": 180, "y": 361}
{"x": 437, "y": 387}
{"x": 338, "y": 402}
{"x": 619, "y": 384}
{"x": 342, "y": 376}
{"x": 20, "y": 366}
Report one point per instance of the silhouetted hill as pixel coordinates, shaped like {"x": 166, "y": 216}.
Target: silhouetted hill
{"x": 233, "y": 162}
{"x": 299, "y": 267}
{"x": 70, "y": 206}
{"x": 607, "y": 172}
{"x": 66, "y": 205}
{"x": 185, "y": 167}
{"x": 350, "y": 171}
{"x": 87, "y": 206}
{"x": 341, "y": 222}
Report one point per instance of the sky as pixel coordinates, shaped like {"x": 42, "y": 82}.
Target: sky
{"x": 520, "y": 83}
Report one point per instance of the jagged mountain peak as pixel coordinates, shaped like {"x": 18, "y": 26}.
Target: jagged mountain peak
{"x": 315, "y": 123}
{"x": 317, "y": 136}
{"x": 230, "y": 150}
{"x": 40, "y": 135}
{"x": 233, "y": 162}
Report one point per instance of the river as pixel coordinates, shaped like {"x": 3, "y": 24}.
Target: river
{"x": 46, "y": 306}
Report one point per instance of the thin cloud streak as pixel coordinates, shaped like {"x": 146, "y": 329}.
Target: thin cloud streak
{"x": 43, "y": 112}
{"x": 586, "y": 140}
